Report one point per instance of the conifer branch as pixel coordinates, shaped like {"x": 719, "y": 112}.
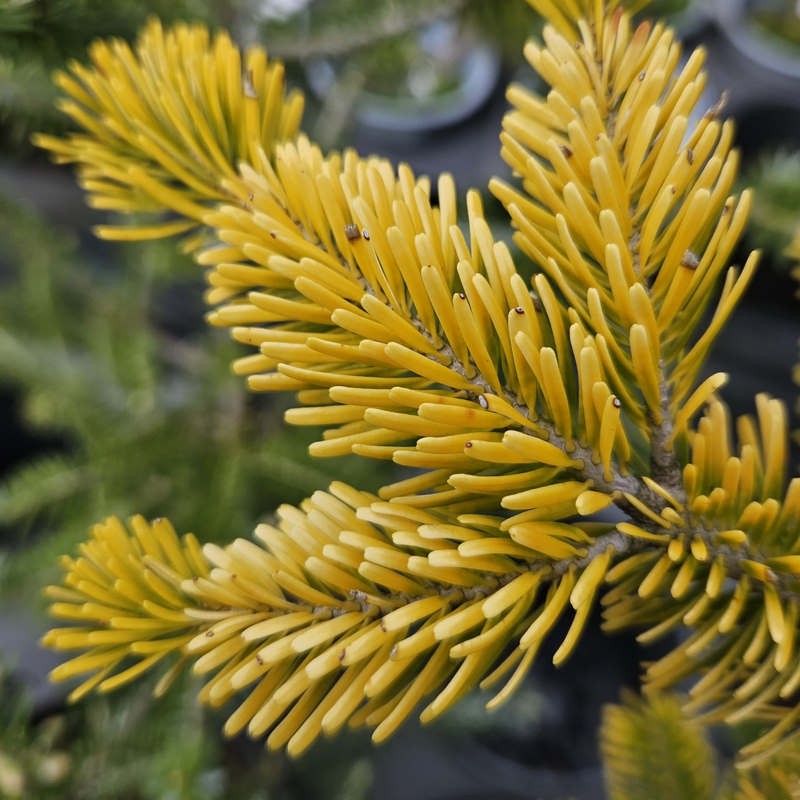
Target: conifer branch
{"x": 524, "y": 408}
{"x": 165, "y": 125}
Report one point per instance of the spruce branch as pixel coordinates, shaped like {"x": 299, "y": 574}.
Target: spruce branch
{"x": 328, "y": 614}
{"x": 524, "y": 407}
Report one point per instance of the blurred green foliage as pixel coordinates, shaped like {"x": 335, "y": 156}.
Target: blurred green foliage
{"x": 781, "y": 24}
{"x": 775, "y": 177}
{"x": 166, "y": 749}
{"x": 652, "y": 750}
{"x": 38, "y": 36}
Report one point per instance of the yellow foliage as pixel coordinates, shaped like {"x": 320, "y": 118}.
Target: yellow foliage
{"x": 163, "y": 126}
{"x": 524, "y": 407}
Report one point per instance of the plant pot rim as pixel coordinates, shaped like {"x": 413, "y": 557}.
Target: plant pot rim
{"x": 759, "y": 47}
{"x": 479, "y": 75}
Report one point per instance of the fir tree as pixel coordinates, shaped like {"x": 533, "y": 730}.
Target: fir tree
{"x": 528, "y": 395}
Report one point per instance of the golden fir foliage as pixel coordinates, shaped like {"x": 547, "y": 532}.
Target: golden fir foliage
{"x": 524, "y": 407}
{"x": 163, "y": 126}
{"x": 652, "y": 750}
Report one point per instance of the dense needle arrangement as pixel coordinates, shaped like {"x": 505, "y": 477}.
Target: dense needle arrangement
{"x": 524, "y": 396}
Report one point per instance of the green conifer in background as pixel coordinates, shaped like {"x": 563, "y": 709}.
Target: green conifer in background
{"x": 38, "y": 36}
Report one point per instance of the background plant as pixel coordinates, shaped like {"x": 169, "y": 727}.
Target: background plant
{"x": 100, "y": 368}
{"x": 651, "y": 748}
{"x": 773, "y": 227}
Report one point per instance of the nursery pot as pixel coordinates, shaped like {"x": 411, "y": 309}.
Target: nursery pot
{"x": 766, "y": 32}
{"x": 418, "y": 82}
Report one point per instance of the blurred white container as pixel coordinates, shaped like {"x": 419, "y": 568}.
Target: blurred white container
{"x": 771, "y": 51}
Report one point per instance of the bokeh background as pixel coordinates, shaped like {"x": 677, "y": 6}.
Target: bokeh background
{"x": 116, "y": 399}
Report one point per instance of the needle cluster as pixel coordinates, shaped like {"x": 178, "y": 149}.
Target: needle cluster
{"x": 523, "y": 407}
